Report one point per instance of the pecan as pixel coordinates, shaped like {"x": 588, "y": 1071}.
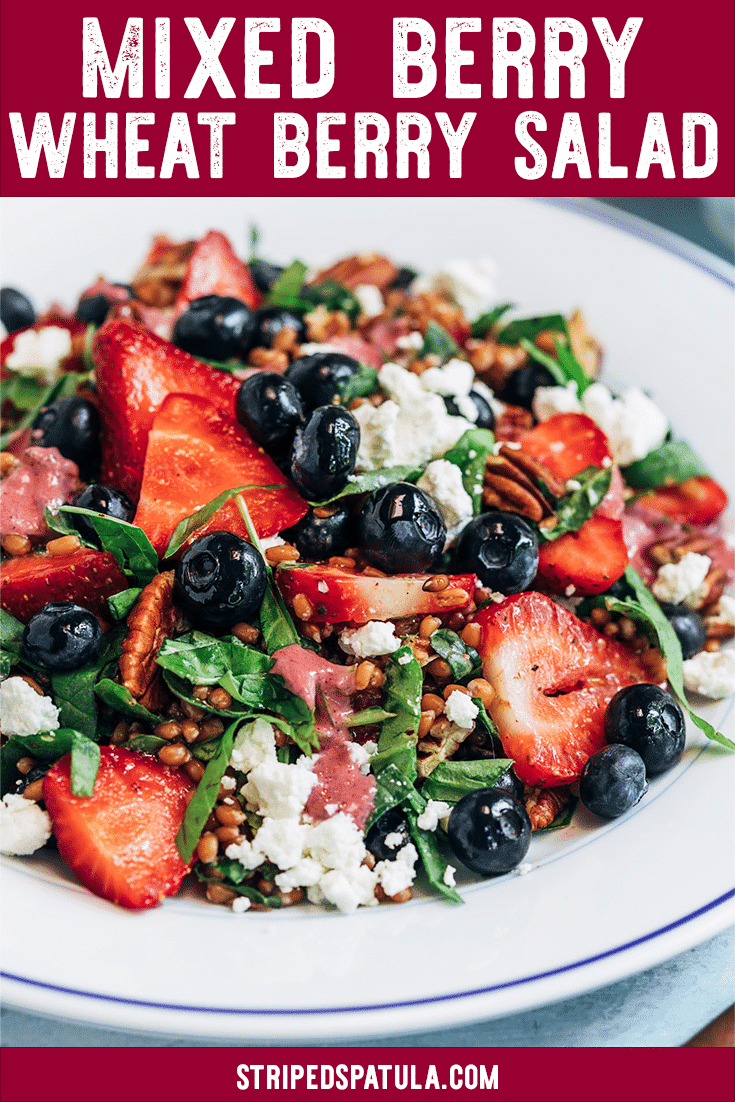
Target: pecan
{"x": 153, "y": 619}
{"x": 544, "y": 804}
{"x": 158, "y": 282}
{"x": 434, "y": 306}
{"x": 513, "y": 423}
{"x": 511, "y": 484}
{"x": 360, "y": 268}
{"x": 321, "y": 324}
{"x": 585, "y": 346}
{"x": 441, "y": 743}
{"x": 712, "y": 588}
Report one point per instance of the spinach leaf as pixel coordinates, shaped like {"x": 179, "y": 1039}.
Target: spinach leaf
{"x": 73, "y": 692}
{"x": 437, "y": 342}
{"x": 189, "y": 525}
{"x": 11, "y": 639}
{"x": 85, "y": 762}
{"x": 64, "y": 387}
{"x": 122, "y": 700}
{"x": 373, "y": 480}
{"x": 434, "y": 864}
{"x": 334, "y": 296}
{"x": 672, "y": 462}
{"x": 392, "y": 788}
{"x": 529, "y": 328}
{"x": 121, "y": 604}
{"x": 205, "y": 796}
{"x": 276, "y": 625}
{"x": 402, "y": 691}
{"x": 470, "y": 455}
{"x": 577, "y": 506}
{"x": 464, "y": 661}
{"x": 483, "y": 719}
{"x": 128, "y": 543}
{"x": 286, "y": 291}
{"x": 253, "y": 894}
{"x": 204, "y": 659}
{"x": 179, "y": 686}
{"x": 359, "y": 385}
{"x": 268, "y": 693}
{"x": 548, "y": 361}
{"x": 565, "y": 368}
{"x": 49, "y": 746}
{"x": 145, "y": 744}
{"x": 489, "y": 319}
{"x": 25, "y": 392}
{"x": 368, "y": 717}
{"x": 451, "y": 780}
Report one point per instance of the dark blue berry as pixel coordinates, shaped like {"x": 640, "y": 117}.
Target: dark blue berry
{"x": 688, "y": 626}
{"x": 16, "y": 310}
{"x": 502, "y": 549}
{"x": 94, "y": 308}
{"x": 613, "y": 780}
{"x": 264, "y": 274}
{"x": 522, "y": 384}
{"x": 403, "y": 280}
{"x": 270, "y": 408}
{"x": 649, "y": 720}
{"x": 73, "y": 426}
{"x": 270, "y": 320}
{"x": 324, "y": 452}
{"x": 317, "y": 537}
{"x": 401, "y": 531}
{"x": 220, "y": 580}
{"x": 102, "y": 499}
{"x": 390, "y": 823}
{"x": 62, "y": 636}
{"x": 318, "y": 378}
{"x": 215, "y": 328}
{"x": 511, "y": 782}
{"x": 489, "y": 831}
{"x": 485, "y": 417}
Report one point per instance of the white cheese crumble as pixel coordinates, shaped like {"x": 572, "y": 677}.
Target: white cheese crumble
{"x": 633, "y": 424}
{"x": 411, "y": 342}
{"x": 449, "y": 877}
{"x": 679, "y": 582}
{"x": 370, "y": 299}
{"x": 433, "y": 813}
{"x": 711, "y": 673}
{"x": 375, "y": 637}
{"x": 397, "y": 875}
{"x": 37, "y": 353}
{"x": 24, "y": 826}
{"x": 23, "y": 712}
{"x": 471, "y": 283}
{"x": 254, "y": 743}
{"x": 723, "y": 612}
{"x": 393, "y": 840}
{"x": 550, "y": 400}
{"x": 240, "y": 905}
{"x": 270, "y": 541}
{"x": 451, "y": 380}
{"x": 442, "y": 481}
{"x": 461, "y": 709}
{"x": 278, "y": 790}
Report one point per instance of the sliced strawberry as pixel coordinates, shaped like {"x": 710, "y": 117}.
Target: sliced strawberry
{"x": 86, "y": 576}
{"x": 134, "y": 371}
{"x": 338, "y": 595}
{"x": 121, "y": 841}
{"x": 696, "y": 501}
{"x": 215, "y": 270}
{"x": 196, "y": 453}
{"x": 590, "y": 559}
{"x": 553, "y": 677}
{"x": 567, "y": 443}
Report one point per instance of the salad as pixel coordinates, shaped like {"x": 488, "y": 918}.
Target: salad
{"x": 314, "y": 582}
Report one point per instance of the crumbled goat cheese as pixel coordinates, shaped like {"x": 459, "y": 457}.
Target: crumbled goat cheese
{"x": 442, "y": 481}
{"x": 337, "y": 843}
{"x": 254, "y": 743}
{"x": 375, "y": 637}
{"x": 461, "y": 709}
{"x": 573, "y": 484}
{"x": 449, "y": 877}
{"x": 278, "y": 790}
{"x": 228, "y": 783}
{"x": 370, "y": 299}
{"x": 398, "y": 874}
{"x": 633, "y": 424}
{"x": 23, "y": 712}
{"x": 393, "y": 840}
{"x": 305, "y": 874}
{"x": 361, "y": 758}
{"x": 550, "y": 400}
{"x": 711, "y": 673}
{"x": 454, "y": 378}
{"x": 311, "y": 349}
{"x": 404, "y": 659}
{"x": 24, "y": 826}
{"x": 37, "y": 353}
{"x": 411, "y": 342}
{"x": 270, "y": 541}
{"x": 681, "y": 581}
{"x": 282, "y": 841}
{"x": 433, "y": 813}
{"x": 348, "y": 889}
{"x": 471, "y": 283}
{"x": 240, "y": 905}
{"x": 723, "y": 612}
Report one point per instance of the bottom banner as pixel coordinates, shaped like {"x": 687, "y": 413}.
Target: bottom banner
{"x": 296, "y": 1074}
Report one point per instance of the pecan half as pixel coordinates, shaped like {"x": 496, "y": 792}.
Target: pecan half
{"x": 511, "y": 484}
{"x": 153, "y": 618}
{"x": 159, "y": 281}
{"x": 440, "y": 743}
{"x": 361, "y": 268}
{"x": 544, "y": 804}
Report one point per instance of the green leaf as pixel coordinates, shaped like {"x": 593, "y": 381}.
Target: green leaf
{"x": 196, "y": 520}
{"x": 276, "y": 625}
{"x": 548, "y": 361}
{"x": 402, "y": 691}
{"x": 253, "y": 894}
{"x": 464, "y": 661}
{"x": 562, "y": 820}
{"x": 672, "y": 462}
{"x": 122, "y": 700}
{"x": 368, "y": 717}
{"x": 45, "y": 746}
{"x": 145, "y": 744}
{"x": 205, "y": 796}
{"x": 287, "y": 288}
{"x": 128, "y": 543}
{"x": 488, "y": 320}
{"x": 529, "y": 328}
{"x": 23, "y": 391}
{"x": 64, "y": 387}
{"x": 121, "y": 604}
{"x": 572, "y": 368}
{"x": 334, "y": 296}
{"x": 392, "y": 788}
{"x": 359, "y": 385}
{"x": 434, "y": 864}
{"x": 374, "y": 480}
{"x": 483, "y": 721}
{"x": 73, "y": 692}
{"x": 451, "y": 780}
{"x": 470, "y": 455}
{"x": 11, "y": 639}
{"x": 437, "y": 342}
{"x": 85, "y": 762}
{"x": 577, "y": 506}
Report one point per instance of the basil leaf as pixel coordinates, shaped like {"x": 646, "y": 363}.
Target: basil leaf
{"x": 451, "y": 780}
{"x": 128, "y": 543}
{"x": 276, "y": 625}
{"x": 488, "y": 320}
{"x": 85, "y": 762}
{"x": 196, "y": 520}
{"x": 374, "y": 480}
{"x": 484, "y": 721}
{"x": 253, "y": 894}
{"x": 122, "y": 700}
{"x": 672, "y": 462}
{"x": 73, "y": 692}
{"x": 368, "y": 717}
{"x": 205, "y": 796}
{"x": 464, "y": 661}
{"x": 577, "y": 506}
{"x": 363, "y": 382}
{"x": 121, "y": 604}
{"x": 402, "y": 691}
{"x": 64, "y": 387}
{"x": 11, "y": 638}
{"x": 287, "y": 288}
{"x": 392, "y": 788}
{"x": 145, "y": 744}
{"x": 529, "y": 328}
{"x": 470, "y": 455}
{"x": 438, "y": 342}
{"x": 434, "y": 864}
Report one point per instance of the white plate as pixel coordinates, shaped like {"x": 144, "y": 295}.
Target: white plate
{"x": 601, "y": 902}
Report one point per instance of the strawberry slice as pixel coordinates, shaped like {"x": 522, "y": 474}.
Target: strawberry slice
{"x": 121, "y": 841}
{"x": 86, "y": 576}
{"x": 339, "y": 595}
{"x": 134, "y": 371}
{"x": 196, "y": 453}
{"x": 215, "y": 270}
{"x": 553, "y": 677}
{"x": 590, "y": 559}
{"x": 695, "y": 501}
{"x": 567, "y": 444}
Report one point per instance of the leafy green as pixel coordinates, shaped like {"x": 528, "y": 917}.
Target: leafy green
{"x": 672, "y": 462}
{"x": 434, "y": 864}
{"x": 121, "y": 604}
{"x": 363, "y": 382}
{"x": 23, "y": 391}
{"x": 49, "y": 746}
{"x": 128, "y": 543}
{"x": 11, "y": 639}
{"x": 368, "y": 717}
{"x": 489, "y": 319}
{"x": 229, "y": 868}
{"x": 286, "y": 291}
{"x": 392, "y": 788}
{"x": 529, "y": 328}
{"x": 85, "y": 762}
{"x": 205, "y": 796}
{"x": 276, "y": 625}
{"x": 437, "y": 342}
{"x": 565, "y": 368}
{"x": 562, "y": 820}
{"x": 189, "y": 525}
{"x": 146, "y": 744}
{"x": 402, "y": 691}
{"x": 268, "y": 692}
{"x": 464, "y": 661}
{"x": 451, "y": 780}
{"x": 483, "y": 721}
{"x": 122, "y": 700}
{"x": 577, "y": 506}
{"x": 373, "y": 480}
{"x": 64, "y": 387}
{"x": 470, "y": 455}
{"x": 73, "y": 691}
{"x": 333, "y": 295}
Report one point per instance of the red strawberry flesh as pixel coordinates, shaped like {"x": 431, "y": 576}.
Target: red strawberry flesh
{"x": 86, "y": 576}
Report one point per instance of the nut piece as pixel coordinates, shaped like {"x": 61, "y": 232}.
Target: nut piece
{"x": 544, "y": 804}
{"x": 152, "y": 619}
{"x": 360, "y": 268}
{"x": 511, "y": 484}
{"x": 438, "y": 745}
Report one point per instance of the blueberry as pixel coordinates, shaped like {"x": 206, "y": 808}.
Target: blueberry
{"x": 62, "y": 636}
{"x": 489, "y": 831}
{"x": 401, "y": 531}
{"x": 393, "y": 822}
{"x": 613, "y": 780}
{"x": 511, "y": 782}
{"x": 220, "y": 580}
{"x": 502, "y": 549}
{"x": 16, "y": 310}
{"x": 215, "y": 327}
{"x": 522, "y": 384}
{"x": 270, "y": 320}
{"x": 93, "y": 308}
{"x": 324, "y": 452}
{"x": 403, "y": 280}
{"x": 485, "y": 417}
{"x": 102, "y": 499}
{"x": 688, "y": 625}
{"x": 264, "y": 274}
{"x": 318, "y": 378}
{"x": 73, "y": 426}
{"x": 317, "y": 538}
{"x": 270, "y": 408}
{"x": 37, "y": 773}
{"x": 620, "y": 590}
{"x": 649, "y": 720}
